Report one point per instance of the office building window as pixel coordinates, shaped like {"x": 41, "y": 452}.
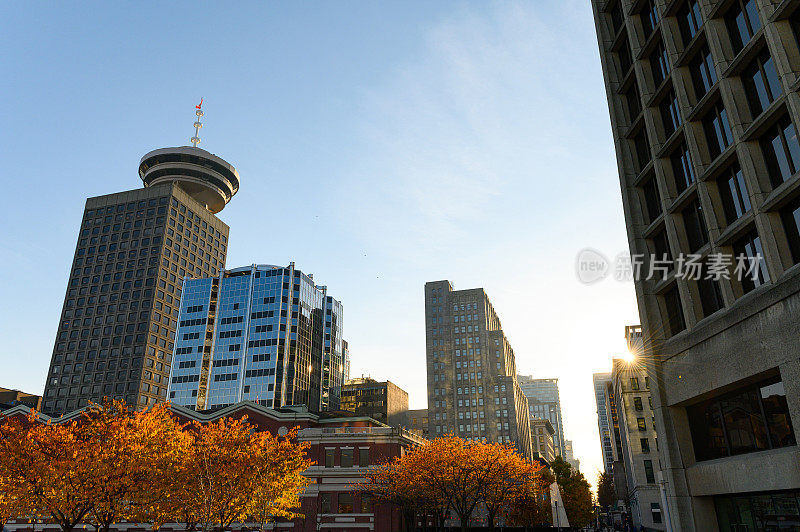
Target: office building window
{"x": 645, "y": 443}
{"x": 761, "y": 83}
{"x": 641, "y": 424}
{"x": 624, "y": 55}
{"x": 641, "y": 150}
{"x": 710, "y": 295}
{"x": 704, "y": 75}
{"x": 661, "y": 250}
{"x": 757, "y": 511}
{"x": 637, "y": 404}
{"x": 718, "y": 130}
{"x": 648, "y": 472}
{"x": 670, "y": 114}
{"x": 617, "y": 19}
{"x": 363, "y": 457}
{"x": 748, "y": 250}
{"x": 649, "y": 15}
{"x": 329, "y": 453}
{"x": 732, "y": 189}
{"x": 659, "y": 64}
{"x": 655, "y": 512}
{"x": 633, "y": 101}
{"x": 791, "y": 224}
{"x": 345, "y": 503}
{"x": 689, "y": 20}
{"x": 743, "y": 22}
{"x": 346, "y": 458}
{"x": 682, "y": 169}
{"x": 674, "y": 311}
{"x": 695, "y": 225}
{"x": 652, "y": 200}
{"x": 781, "y": 151}
{"x": 325, "y": 503}
{"x": 753, "y": 418}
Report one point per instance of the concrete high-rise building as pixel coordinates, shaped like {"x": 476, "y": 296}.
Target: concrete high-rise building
{"x": 543, "y": 439}
{"x": 260, "y": 333}
{"x": 638, "y": 442}
{"x": 382, "y": 401}
{"x": 116, "y": 334}
{"x": 472, "y": 381}
{"x": 544, "y": 402}
{"x": 601, "y": 382}
{"x": 704, "y": 106}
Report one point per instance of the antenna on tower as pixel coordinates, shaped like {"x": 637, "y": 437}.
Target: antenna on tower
{"x": 198, "y": 124}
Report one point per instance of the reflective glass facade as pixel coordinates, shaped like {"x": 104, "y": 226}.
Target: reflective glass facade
{"x": 264, "y": 333}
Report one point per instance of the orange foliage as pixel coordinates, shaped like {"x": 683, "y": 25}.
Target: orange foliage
{"x": 453, "y": 474}
{"x": 117, "y": 464}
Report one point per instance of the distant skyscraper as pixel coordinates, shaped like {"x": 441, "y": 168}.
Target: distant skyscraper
{"x": 636, "y": 432}
{"x": 601, "y": 382}
{"x": 472, "y": 381}
{"x": 115, "y": 337}
{"x": 544, "y": 402}
{"x": 258, "y": 333}
{"x": 569, "y": 455}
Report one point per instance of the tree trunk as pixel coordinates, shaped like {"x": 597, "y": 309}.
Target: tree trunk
{"x": 490, "y": 518}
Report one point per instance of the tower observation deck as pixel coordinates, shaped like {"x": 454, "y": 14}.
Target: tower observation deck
{"x": 209, "y": 179}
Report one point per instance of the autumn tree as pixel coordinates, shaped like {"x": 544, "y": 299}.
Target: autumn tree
{"x": 575, "y": 493}
{"x": 279, "y": 482}
{"x": 135, "y": 453}
{"x": 532, "y": 506}
{"x": 403, "y": 483}
{"x": 605, "y": 490}
{"x": 52, "y": 466}
{"x": 508, "y": 478}
{"x": 14, "y": 501}
{"x": 452, "y": 474}
{"x": 227, "y": 468}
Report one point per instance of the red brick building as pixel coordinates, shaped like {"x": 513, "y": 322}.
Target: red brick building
{"x": 343, "y": 447}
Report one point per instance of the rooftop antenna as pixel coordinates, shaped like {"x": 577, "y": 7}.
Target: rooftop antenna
{"x": 198, "y": 124}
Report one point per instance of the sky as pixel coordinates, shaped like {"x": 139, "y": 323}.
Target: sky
{"x": 380, "y": 145}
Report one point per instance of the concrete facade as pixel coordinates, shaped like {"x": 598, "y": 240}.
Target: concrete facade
{"x": 383, "y": 401}
{"x": 639, "y": 443}
{"x": 703, "y": 98}
{"x": 543, "y": 439}
{"x": 117, "y": 328}
{"x": 473, "y": 390}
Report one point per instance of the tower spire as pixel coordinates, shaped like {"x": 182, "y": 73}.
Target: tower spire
{"x": 198, "y": 124}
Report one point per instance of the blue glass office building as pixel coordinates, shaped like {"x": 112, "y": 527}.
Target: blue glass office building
{"x": 262, "y": 333}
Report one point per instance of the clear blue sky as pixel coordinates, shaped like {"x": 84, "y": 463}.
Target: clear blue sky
{"x": 380, "y": 145}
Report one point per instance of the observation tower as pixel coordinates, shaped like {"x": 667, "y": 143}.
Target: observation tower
{"x": 207, "y": 178}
